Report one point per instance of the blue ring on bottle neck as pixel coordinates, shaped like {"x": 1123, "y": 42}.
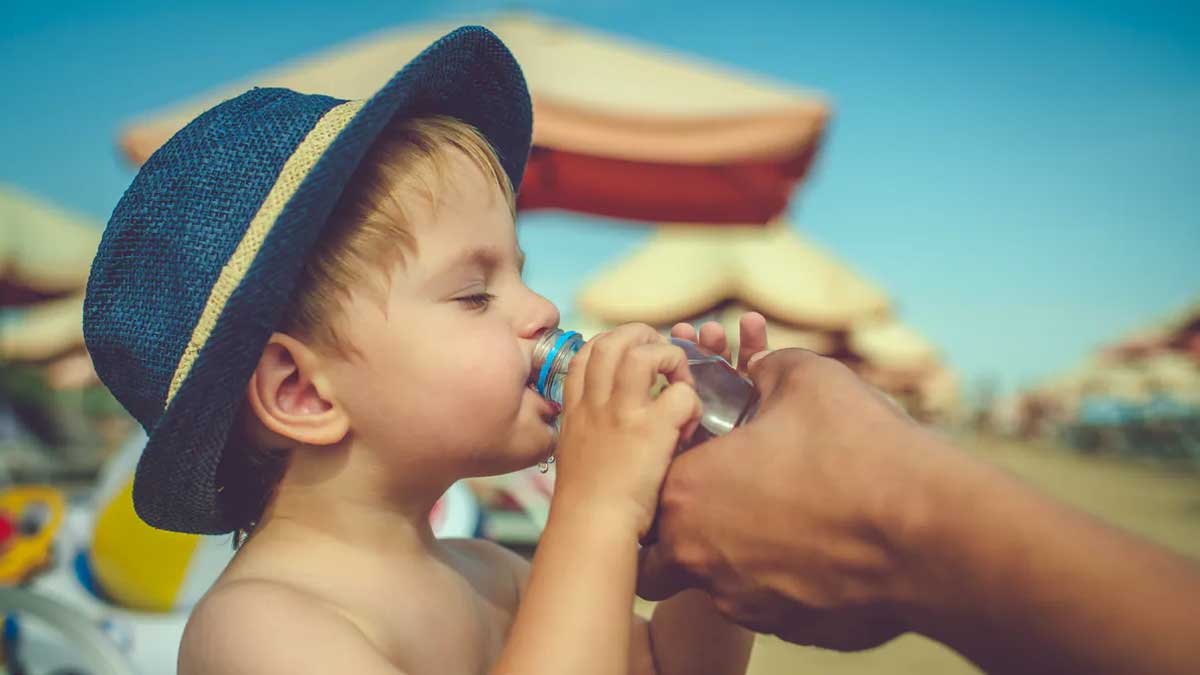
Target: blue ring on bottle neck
{"x": 562, "y": 339}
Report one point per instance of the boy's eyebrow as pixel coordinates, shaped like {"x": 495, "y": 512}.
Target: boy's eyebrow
{"x": 486, "y": 257}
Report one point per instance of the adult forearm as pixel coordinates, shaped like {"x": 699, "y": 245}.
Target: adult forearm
{"x": 689, "y": 636}
{"x": 1021, "y": 584}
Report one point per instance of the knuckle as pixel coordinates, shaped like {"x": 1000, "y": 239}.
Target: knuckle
{"x": 578, "y": 364}
{"x": 693, "y": 557}
{"x": 808, "y": 359}
{"x": 725, "y": 605}
{"x": 680, "y": 491}
{"x": 640, "y": 356}
{"x": 680, "y": 546}
{"x": 831, "y": 370}
{"x": 805, "y": 365}
{"x": 679, "y": 394}
{"x": 586, "y": 351}
{"x": 641, "y": 331}
{"x": 602, "y": 345}
{"x": 797, "y": 376}
{"x": 672, "y": 500}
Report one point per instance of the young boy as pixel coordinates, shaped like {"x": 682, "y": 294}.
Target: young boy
{"x": 316, "y": 309}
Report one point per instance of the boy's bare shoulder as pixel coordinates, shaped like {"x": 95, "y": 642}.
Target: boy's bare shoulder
{"x": 494, "y": 557}
{"x": 488, "y": 551}
{"x": 262, "y": 626}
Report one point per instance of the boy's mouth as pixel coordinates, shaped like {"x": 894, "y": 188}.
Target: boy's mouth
{"x": 531, "y": 381}
{"x": 549, "y": 409}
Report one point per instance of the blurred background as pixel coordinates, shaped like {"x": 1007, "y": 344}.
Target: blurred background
{"x": 987, "y": 209}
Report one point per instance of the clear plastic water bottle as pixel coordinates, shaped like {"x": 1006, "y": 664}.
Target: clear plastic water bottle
{"x": 727, "y": 399}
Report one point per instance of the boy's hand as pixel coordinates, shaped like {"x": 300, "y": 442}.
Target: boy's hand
{"x": 617, "y": 440}
{"x": 753, "y": 328}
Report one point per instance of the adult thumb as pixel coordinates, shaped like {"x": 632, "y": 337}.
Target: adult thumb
{"x": 769, "y": 370}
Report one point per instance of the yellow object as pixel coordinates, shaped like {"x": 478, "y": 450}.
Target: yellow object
{"x": 29, "y": 553}
{"x": 138, "y": 566}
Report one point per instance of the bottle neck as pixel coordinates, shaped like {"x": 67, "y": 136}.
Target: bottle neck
{"x": 552, "y": 354}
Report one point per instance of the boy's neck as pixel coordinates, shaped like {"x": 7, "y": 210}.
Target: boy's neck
{"x": 343, "y": 496}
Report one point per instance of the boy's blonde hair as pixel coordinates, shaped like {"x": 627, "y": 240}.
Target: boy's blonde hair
{"x": 367, "y": 234}
{"x": 369, "y": 229}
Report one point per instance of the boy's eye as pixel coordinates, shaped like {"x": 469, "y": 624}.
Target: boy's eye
{"x": 477, "y": 300}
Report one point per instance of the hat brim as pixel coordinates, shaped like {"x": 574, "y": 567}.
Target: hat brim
{"x": 469, "y": 75}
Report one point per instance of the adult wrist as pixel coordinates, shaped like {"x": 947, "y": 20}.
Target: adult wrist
{"x": 930, "y": 525}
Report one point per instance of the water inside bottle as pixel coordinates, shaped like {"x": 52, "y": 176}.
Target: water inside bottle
{"x": 727, "y": 399}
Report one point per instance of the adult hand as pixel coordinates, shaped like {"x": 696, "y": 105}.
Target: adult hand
{"x": 832, "y": 519}
{"x": 786, "y": 520}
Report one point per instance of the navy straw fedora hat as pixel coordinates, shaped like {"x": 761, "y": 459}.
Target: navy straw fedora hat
{"x": 203, "y": 251}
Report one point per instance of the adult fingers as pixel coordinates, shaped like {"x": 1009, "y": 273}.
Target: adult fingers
{"x": 769, "y": 372}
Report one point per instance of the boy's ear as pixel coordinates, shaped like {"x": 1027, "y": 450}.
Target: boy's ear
{"x": 292, "y": 397}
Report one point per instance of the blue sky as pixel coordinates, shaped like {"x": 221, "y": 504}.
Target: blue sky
{"x": 1023, "y": 177}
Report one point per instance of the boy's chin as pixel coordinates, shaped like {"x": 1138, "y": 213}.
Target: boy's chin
{"x": 514, "y": 461}
{"x": 535, "y": 444}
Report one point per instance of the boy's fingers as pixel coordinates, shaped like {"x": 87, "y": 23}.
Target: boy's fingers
{"x": 684, "y": 331}
{"x": 573, "y": 387}
{"x": 604, "y": 353}
{"x": 608, "y": 351}
{"x": 753, "y": 334}
{"x": 678, "y": 404}
{"x": 641, "y": 368}
{"x": 712, "y": 338}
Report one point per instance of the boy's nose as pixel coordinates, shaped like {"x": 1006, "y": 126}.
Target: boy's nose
{"x": 542, "y": 315}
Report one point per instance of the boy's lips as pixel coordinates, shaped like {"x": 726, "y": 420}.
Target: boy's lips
{"x": 549, "y": 409}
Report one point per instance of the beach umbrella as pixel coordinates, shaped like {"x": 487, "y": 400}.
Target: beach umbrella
{"x": 685, "y": 270}
{"x": 45, "y": 255}
{"x": 621, "y": 128}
